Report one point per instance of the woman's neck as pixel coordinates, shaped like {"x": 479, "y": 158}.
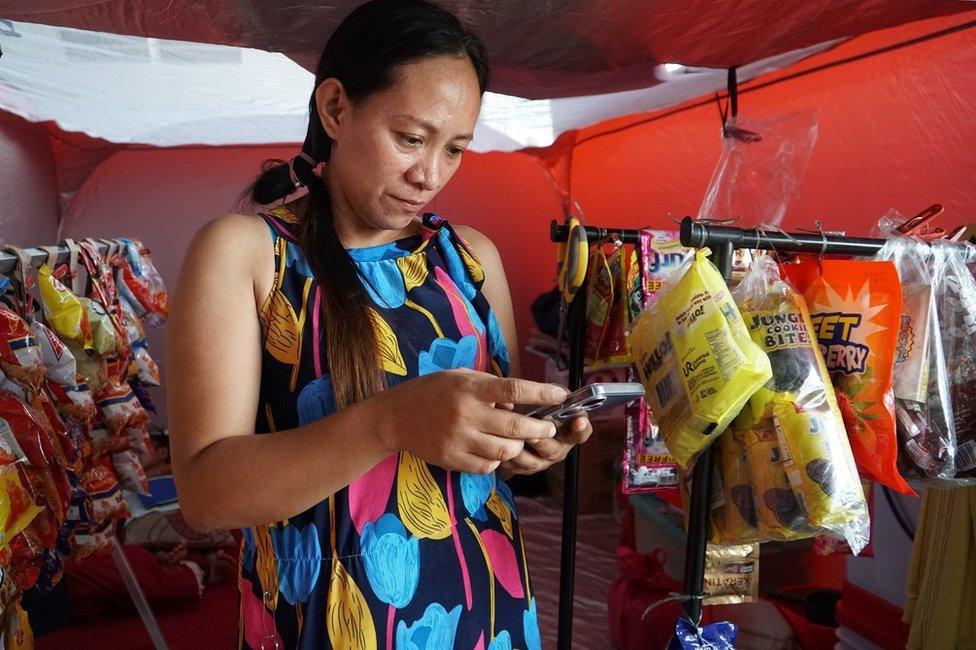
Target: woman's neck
{"x": 353, "y": 233}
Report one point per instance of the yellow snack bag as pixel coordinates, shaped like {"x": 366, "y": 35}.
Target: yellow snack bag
{"x": 63, "y": 310}
{"x": 695, "y": 358}
{"x": 738, "y": 521}
{"x": 801, "y": 460}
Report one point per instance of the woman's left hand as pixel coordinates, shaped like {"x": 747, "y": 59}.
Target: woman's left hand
{"x": 538, "y": 455}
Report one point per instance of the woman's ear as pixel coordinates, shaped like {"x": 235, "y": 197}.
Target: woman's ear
{"x": 332, "y": 104}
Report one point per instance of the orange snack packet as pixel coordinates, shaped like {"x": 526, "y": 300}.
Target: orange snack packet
{"x": 856, "y": 308}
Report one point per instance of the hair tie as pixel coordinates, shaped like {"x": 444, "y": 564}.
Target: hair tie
{"x": 291, "y": 167}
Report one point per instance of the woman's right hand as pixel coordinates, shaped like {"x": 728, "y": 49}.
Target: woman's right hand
{"x": 458, "y": 420}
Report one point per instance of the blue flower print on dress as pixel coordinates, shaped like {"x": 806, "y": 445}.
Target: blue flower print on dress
{"x": 435, "y": 630}
{"x": 505, "y": 492}
{"x": 455, "y": 265}
{"x": 250, "y": 552}
{"x": 299, "y": 558}
{"x": 530, "y": 627}
{"x": 294, "y": 258}
{"x": 496, "y": 341}
{"x": 475, "y": 491}
{"x": 383, "y": 280}
{"x": 501, "y": 642}
{"x": 392, "y": 559}
{"x": 316, "y": 400}
{"x": 445, "y": 354}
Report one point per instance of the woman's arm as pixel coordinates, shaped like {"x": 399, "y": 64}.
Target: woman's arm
{"x": 228, "y": 477}
{"x": 542, "y": 453}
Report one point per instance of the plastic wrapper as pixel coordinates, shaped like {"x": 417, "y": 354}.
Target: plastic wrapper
{"x": 18, "y": 632}
{"x": 737, "y": 520}
{"x": 856, "y": 311}
{"x": 94, "y": 538}
{"x": 17, "y": 507}
{"x": 731, "y": 574}
{"x": 696, "y": 359}
{"x": 714, "y": 636}
{"x": 105, "y": 340}
{"x": 51, "y": 490}
{"x": 143, "y": 395}
{"x": 139, "y": 439}
{"x": 143, "y": 281}
{"x": 128, "y": 469}
{"x": 92, "y": 367}
{"x": 120, "y": 408}
{"x": 599, "y": 301}
{"x": 956, "y": 295}
{"x": 102, "y": 485}
{"x": 923, "y": 416}
{"x": 648, "y": 465}
{"x": 20, "y": 356}
{"x": 799, "y": 456}
{"x": 75, "y": 402}
{"x": 59, "y": 363}
{"x": 67, "y": 448}
{"x": 613, "y": 347}
{"x": 22, "y": 424}
{"x": 63, "y": 310}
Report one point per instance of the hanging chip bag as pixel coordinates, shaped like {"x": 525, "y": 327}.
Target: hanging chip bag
{"x": 696, "y": 359}
{"x": 800, "y": 458}
{"x": 855, "y": 308}
{"x": 59, "y": 363}
{"x": 63, "y": 310}
{"x": 20, "y": 356}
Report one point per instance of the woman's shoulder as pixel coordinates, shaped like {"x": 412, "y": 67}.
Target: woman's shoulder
{"x": 235, "y": 234}
{"x": 477, "y": 242}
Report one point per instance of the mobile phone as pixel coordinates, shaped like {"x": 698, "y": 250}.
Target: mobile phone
{"x": 589, "y": 400}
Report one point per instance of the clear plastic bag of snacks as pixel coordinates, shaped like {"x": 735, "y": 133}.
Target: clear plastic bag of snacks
{"x": 792, "y": 433}
{"x": 923, "y": 415}
{"x": 696, "y": 359}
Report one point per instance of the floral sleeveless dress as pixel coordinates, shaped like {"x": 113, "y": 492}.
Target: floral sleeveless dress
{"x": 410, "y": 555}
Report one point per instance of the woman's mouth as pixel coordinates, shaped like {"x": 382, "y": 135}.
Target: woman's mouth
{"x": 407, "y": 203}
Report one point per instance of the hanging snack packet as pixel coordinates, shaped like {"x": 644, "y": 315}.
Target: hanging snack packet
{"x": 696, "y": 359}
{"x": 613, "y": 347}
{"x": 731, "y": 574}
{"x": 59, "y": 363}
{"x": 856, "y": 308}
{"x": 63, "y": 310}
{"x": 17, "y": 508}
{"x": 102, "y": 484}
{"x": 120, "y": 408}
{"x": 104, "y": 337}
{"x": 91, "y": 367}
{"x": 600, "y": 288}
{"x": 956, "y": 292}
{"x": 738, "y": 522}
{"x": 800, "y": 458}
{"x": 923, "y": 418}
{"x": 143, "y": 281}
{"x": 20, "y": 356}
{"x": 648, "y": 465}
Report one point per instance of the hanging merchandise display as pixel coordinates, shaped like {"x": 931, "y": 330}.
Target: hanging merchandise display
{"x": 789, "y": 440}
{"x": 66, "y": 460}
{"x": 695, "y": 358}
{"x": 856, "y": 309}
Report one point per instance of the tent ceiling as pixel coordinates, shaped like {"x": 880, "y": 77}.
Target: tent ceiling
{"x": 544, "y": 49}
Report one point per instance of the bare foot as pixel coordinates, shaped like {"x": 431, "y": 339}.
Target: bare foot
{"x": 220, "y": 567}
{"x": 173, "y": 556}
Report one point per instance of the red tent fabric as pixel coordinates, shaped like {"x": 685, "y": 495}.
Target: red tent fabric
{"x": 539, "y": 49}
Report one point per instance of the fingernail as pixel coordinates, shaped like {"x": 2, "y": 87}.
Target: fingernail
{"x": 558, "y": 393}
{"x": 552, "y": 431}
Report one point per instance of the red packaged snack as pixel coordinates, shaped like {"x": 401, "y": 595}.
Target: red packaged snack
{"x": 599, "y": 301}
{"x": 856, "y": 312}
{"x": 101, "y": 483}
{"x": 120, "y": 408}
{"x": 17, "y": 508}
{"x": 613, "y": 347}
{"x": 143, "y": 281}
{"x": 20, "y": 356}
{"x": 75, "y": 402}
{"x": 21, "y": 423}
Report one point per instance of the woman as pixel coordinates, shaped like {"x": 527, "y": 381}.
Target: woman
{"x": 390, "y": 525}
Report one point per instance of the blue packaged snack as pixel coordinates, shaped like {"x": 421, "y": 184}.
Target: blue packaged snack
{"x": 715, "y": 636}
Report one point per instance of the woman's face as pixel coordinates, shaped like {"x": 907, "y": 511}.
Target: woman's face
{"x": 395, "y": 150}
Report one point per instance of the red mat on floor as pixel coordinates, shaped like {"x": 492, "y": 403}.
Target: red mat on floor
{"x": 210, "y": 623}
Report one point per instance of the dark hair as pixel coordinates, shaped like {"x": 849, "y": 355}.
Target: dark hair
{"x": 363, "y": 53}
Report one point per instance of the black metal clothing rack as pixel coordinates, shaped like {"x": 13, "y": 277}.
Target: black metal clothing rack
{"x": 723, "y": 241}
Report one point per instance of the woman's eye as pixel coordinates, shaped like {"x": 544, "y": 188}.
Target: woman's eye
{"x": 455, "y": 152}
{"x": 411, "y": 140}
